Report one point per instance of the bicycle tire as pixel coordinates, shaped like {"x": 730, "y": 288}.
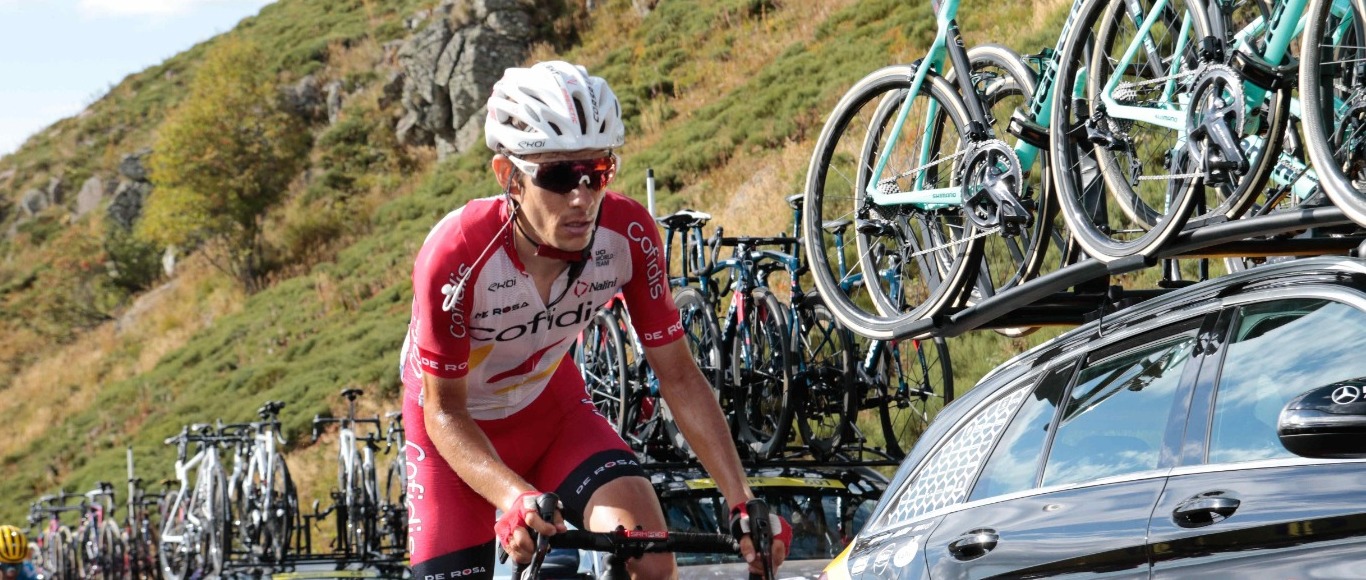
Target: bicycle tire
{"x": 1233, "y": 201}
{"x": 824, "y": 387}
{"x": 370, "y": 509}
{"x": 113, "y": 552}
{"x": 933, "y": 253}
{"x": 396, "y": 489}
{"x": 1108, "y": 232}
{"x": 1334, "y": 134}
{"x": 1005, "y": 83}
{"x": 703, "y": 334}
{"x": 761, "y": 377}
{"x": 905, "y": 413}
{"x": 247, "y": 488}
{"x": 176, "y": 556}
{"x": 282, "y": 512}
{"x": 601, "y": 357}
{"x": 220, "y": 530}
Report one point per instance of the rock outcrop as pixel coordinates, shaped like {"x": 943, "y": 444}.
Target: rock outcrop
{"x": 91, "y": 194}
{"x": 132, "y": 191}
{"x": 449, "y": 66}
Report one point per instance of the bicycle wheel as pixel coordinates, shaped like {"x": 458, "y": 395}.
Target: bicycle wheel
{"x": 1133, "y": 137}
{"x": 601, "y": 357}
{"x": 113, "y": 553}
{"x": 1004, "y": 84}
{"x": 1263, "y": 136}
{"x": 370, "y": 508}
{"x": 919, "y": 382}
{"x": 396, "y": 512}
{"x": 823, "y": 387}
{"x": 916, "y": 259}
{"x": 1331, "y": 87}
{"x": 760, "y": 375}
{"x": 179, "y": 543}
{"x": 353, "y": 525}
{"x": 219, "y": 525}
{"x": 282, "y": 508}
{"x": 704, "y": 340}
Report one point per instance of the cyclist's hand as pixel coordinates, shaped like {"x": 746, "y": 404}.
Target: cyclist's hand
{"x": 514, "y": 527}
{"x": 777, "y": 535}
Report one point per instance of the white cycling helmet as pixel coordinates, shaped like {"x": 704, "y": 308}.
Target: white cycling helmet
{"x": 552, "y": 106}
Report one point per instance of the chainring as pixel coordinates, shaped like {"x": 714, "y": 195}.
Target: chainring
{"x": 1218, "y": 91}
{"x": 991, "y": 181}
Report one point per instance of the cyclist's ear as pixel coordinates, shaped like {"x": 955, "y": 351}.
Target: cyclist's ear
{"x": 506, "y": 173}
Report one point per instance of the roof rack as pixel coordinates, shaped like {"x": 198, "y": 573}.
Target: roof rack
{"x": 1073, "y": 294}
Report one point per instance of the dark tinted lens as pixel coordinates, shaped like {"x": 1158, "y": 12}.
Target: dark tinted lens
{"x": 564, "y": 176}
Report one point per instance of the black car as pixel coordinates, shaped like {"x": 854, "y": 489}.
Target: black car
{"x": 824, "y": 505}
{"x": 1212, "y": 432}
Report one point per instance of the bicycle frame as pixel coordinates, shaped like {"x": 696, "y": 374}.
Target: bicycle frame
{"x": 205, "y": 464}
{"x": 948, "y": 45}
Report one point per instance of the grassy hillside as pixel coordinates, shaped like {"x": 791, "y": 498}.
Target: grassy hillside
{"x": 723, "y": 100}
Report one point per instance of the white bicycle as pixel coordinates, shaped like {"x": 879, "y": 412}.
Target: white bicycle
{"x": 357, "y": 500}
{"x": 196, "y": 533}
{"x": 263, "y": 491}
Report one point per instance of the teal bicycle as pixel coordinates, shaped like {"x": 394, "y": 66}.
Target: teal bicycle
{"x": 1154, "y": 108}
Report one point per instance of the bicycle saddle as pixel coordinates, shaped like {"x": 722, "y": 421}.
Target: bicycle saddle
{"x": 351, "y": 394}
{"x": 684, "y": 218}
{"x": 794, "y": 201}
{"x": 835, "y": 226}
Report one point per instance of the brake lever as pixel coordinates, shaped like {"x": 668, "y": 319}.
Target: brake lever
{"x": 761, "y": 533}
{"x": 546, "y": 505}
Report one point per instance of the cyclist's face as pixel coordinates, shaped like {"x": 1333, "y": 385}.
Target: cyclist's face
{"x": 562, "y": 220}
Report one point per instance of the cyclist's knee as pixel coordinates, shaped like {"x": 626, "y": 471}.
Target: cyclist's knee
{"x": 653, "y": 566}
{"x": 627, "y": 501}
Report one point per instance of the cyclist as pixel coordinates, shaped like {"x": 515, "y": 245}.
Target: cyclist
{"x": 14, "y": 564}
{"x": 495, "y": 412}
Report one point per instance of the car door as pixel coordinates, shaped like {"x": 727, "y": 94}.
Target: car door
{"x": 1241, "y": 505}
{"x": 935, "y": 477}
{"x": 1072, "y": 484}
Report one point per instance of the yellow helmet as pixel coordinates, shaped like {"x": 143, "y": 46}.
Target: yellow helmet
{"x": 13, "y": 545}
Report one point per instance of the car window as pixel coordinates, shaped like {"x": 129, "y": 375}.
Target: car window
{"x": 1278, "y": 350}
{"x": 1014, "y": 465}
{"x": 948, "y": 471}
{"x": 1116, "y": 414}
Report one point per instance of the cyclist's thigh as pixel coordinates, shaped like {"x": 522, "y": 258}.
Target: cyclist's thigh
{"x": 450, "y": 526}
{"x": 585, "y": 453}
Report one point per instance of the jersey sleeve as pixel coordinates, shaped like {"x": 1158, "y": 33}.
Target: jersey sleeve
{"x": 648, "y": 298}
{"x": 441, "y": 306}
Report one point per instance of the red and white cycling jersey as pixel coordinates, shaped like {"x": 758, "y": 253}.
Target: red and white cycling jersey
{"x": 497, "y": 332}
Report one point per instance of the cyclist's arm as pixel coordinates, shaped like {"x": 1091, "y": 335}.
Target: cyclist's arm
{"x": 468, "y": 451}
{"x": 704, "y": 426}
{"x": 685, "y": 388}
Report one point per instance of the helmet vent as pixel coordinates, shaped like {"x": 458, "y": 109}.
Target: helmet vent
{"x": 583, "y": 119}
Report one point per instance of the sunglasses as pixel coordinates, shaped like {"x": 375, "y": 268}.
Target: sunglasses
{"x": 563, "y": 176}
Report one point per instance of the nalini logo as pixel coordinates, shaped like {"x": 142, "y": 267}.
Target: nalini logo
{"x": 585, "y": 287}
